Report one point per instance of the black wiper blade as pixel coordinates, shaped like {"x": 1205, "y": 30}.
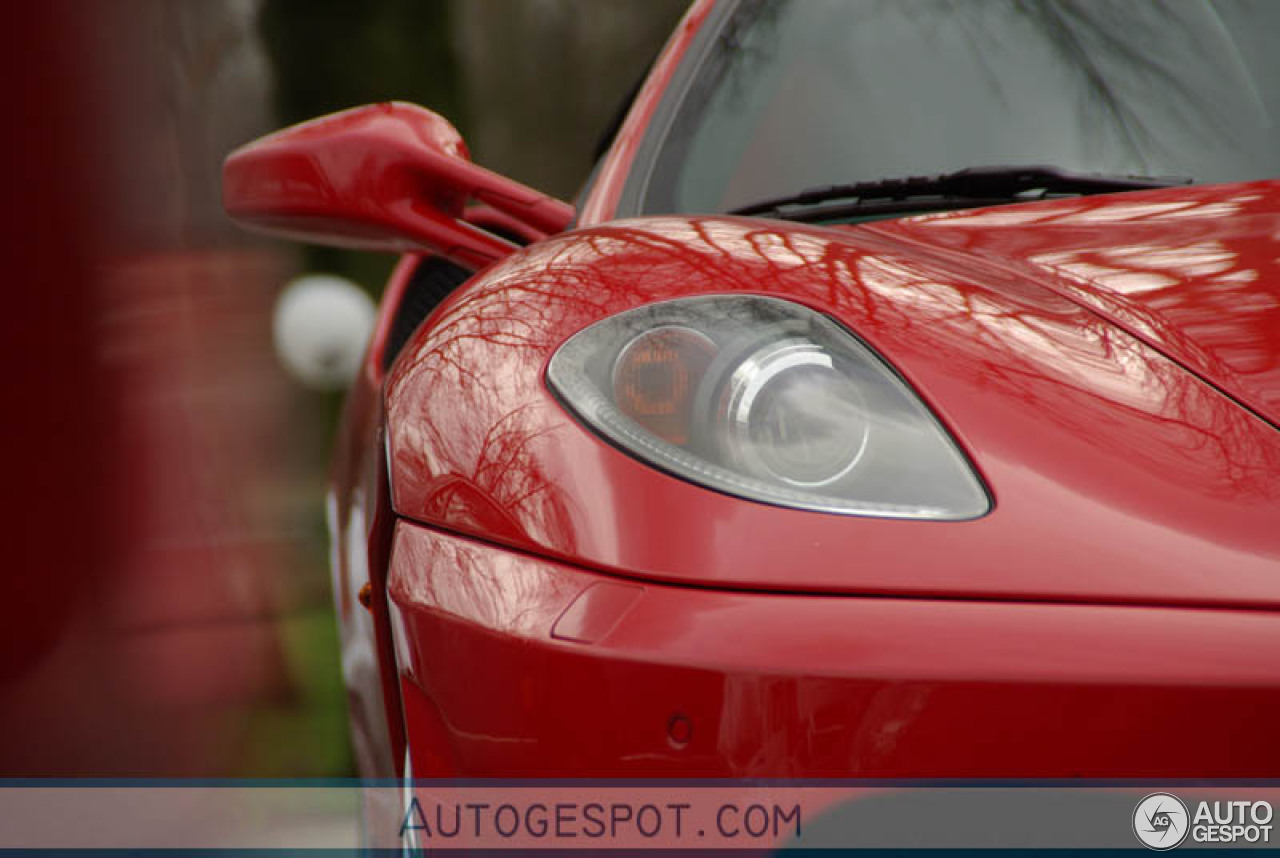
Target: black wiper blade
{"x": 985, "y": 185}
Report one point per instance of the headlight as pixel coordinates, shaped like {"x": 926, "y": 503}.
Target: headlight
{"x": 767, "y": 400}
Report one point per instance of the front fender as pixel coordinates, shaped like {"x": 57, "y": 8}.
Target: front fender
{"x": 1117, "y": 475}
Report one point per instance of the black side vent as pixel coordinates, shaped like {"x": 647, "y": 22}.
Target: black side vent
{"x": 432, "y": 281}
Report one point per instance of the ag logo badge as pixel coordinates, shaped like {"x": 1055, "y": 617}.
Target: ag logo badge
{"x": 1160, "y": 821}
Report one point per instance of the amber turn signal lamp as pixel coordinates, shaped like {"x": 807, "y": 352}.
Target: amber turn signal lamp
{"x": 655, "y": 377}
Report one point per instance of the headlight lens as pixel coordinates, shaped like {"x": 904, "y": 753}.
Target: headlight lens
{"x": 767, "y": 400}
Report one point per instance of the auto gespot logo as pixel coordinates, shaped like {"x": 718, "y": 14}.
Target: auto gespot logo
{"x": 1161, "y": 821}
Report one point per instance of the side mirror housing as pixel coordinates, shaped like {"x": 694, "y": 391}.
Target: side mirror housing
{"x": 389, "y": 177}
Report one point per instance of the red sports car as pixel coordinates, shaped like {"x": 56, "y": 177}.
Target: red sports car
{"x": 807, "y": 442}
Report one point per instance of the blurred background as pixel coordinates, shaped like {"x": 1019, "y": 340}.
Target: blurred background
{"x": 168, "y": 611}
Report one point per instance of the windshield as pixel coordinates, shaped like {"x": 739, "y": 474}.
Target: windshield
{"x": 789, "y": 95}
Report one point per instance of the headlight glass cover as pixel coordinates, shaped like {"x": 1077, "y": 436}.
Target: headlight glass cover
{"x": 767, "y": 400}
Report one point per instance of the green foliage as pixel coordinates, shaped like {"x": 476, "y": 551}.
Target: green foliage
{"x": 306, "y": 734}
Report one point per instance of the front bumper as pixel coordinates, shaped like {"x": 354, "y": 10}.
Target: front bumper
{"x": 514, "y": 666}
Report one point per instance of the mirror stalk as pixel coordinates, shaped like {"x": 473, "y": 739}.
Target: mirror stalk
{"x": 388, "y": 177}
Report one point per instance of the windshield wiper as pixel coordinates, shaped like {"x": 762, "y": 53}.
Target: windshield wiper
{"x": 967, "y": 188}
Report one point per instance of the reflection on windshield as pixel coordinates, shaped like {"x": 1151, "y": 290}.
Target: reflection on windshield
{"x": 793, "y": 95}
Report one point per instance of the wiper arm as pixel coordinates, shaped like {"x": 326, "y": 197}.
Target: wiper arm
{"x": 961, "y": 189}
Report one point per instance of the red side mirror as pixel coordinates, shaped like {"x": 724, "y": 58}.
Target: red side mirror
{"x": 393, "y": 177}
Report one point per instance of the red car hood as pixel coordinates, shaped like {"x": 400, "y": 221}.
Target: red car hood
{"x": 1193, "y": 272}
{"x": 1132, "y": 458}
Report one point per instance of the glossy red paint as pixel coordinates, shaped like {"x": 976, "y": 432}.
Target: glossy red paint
{"x": 359, "y": 519}
{"x": 1194, "y": 272}
{"x": 1118, "y": 476}
{"x": 387, "y": 176}
{"x": 778, "y": 686}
